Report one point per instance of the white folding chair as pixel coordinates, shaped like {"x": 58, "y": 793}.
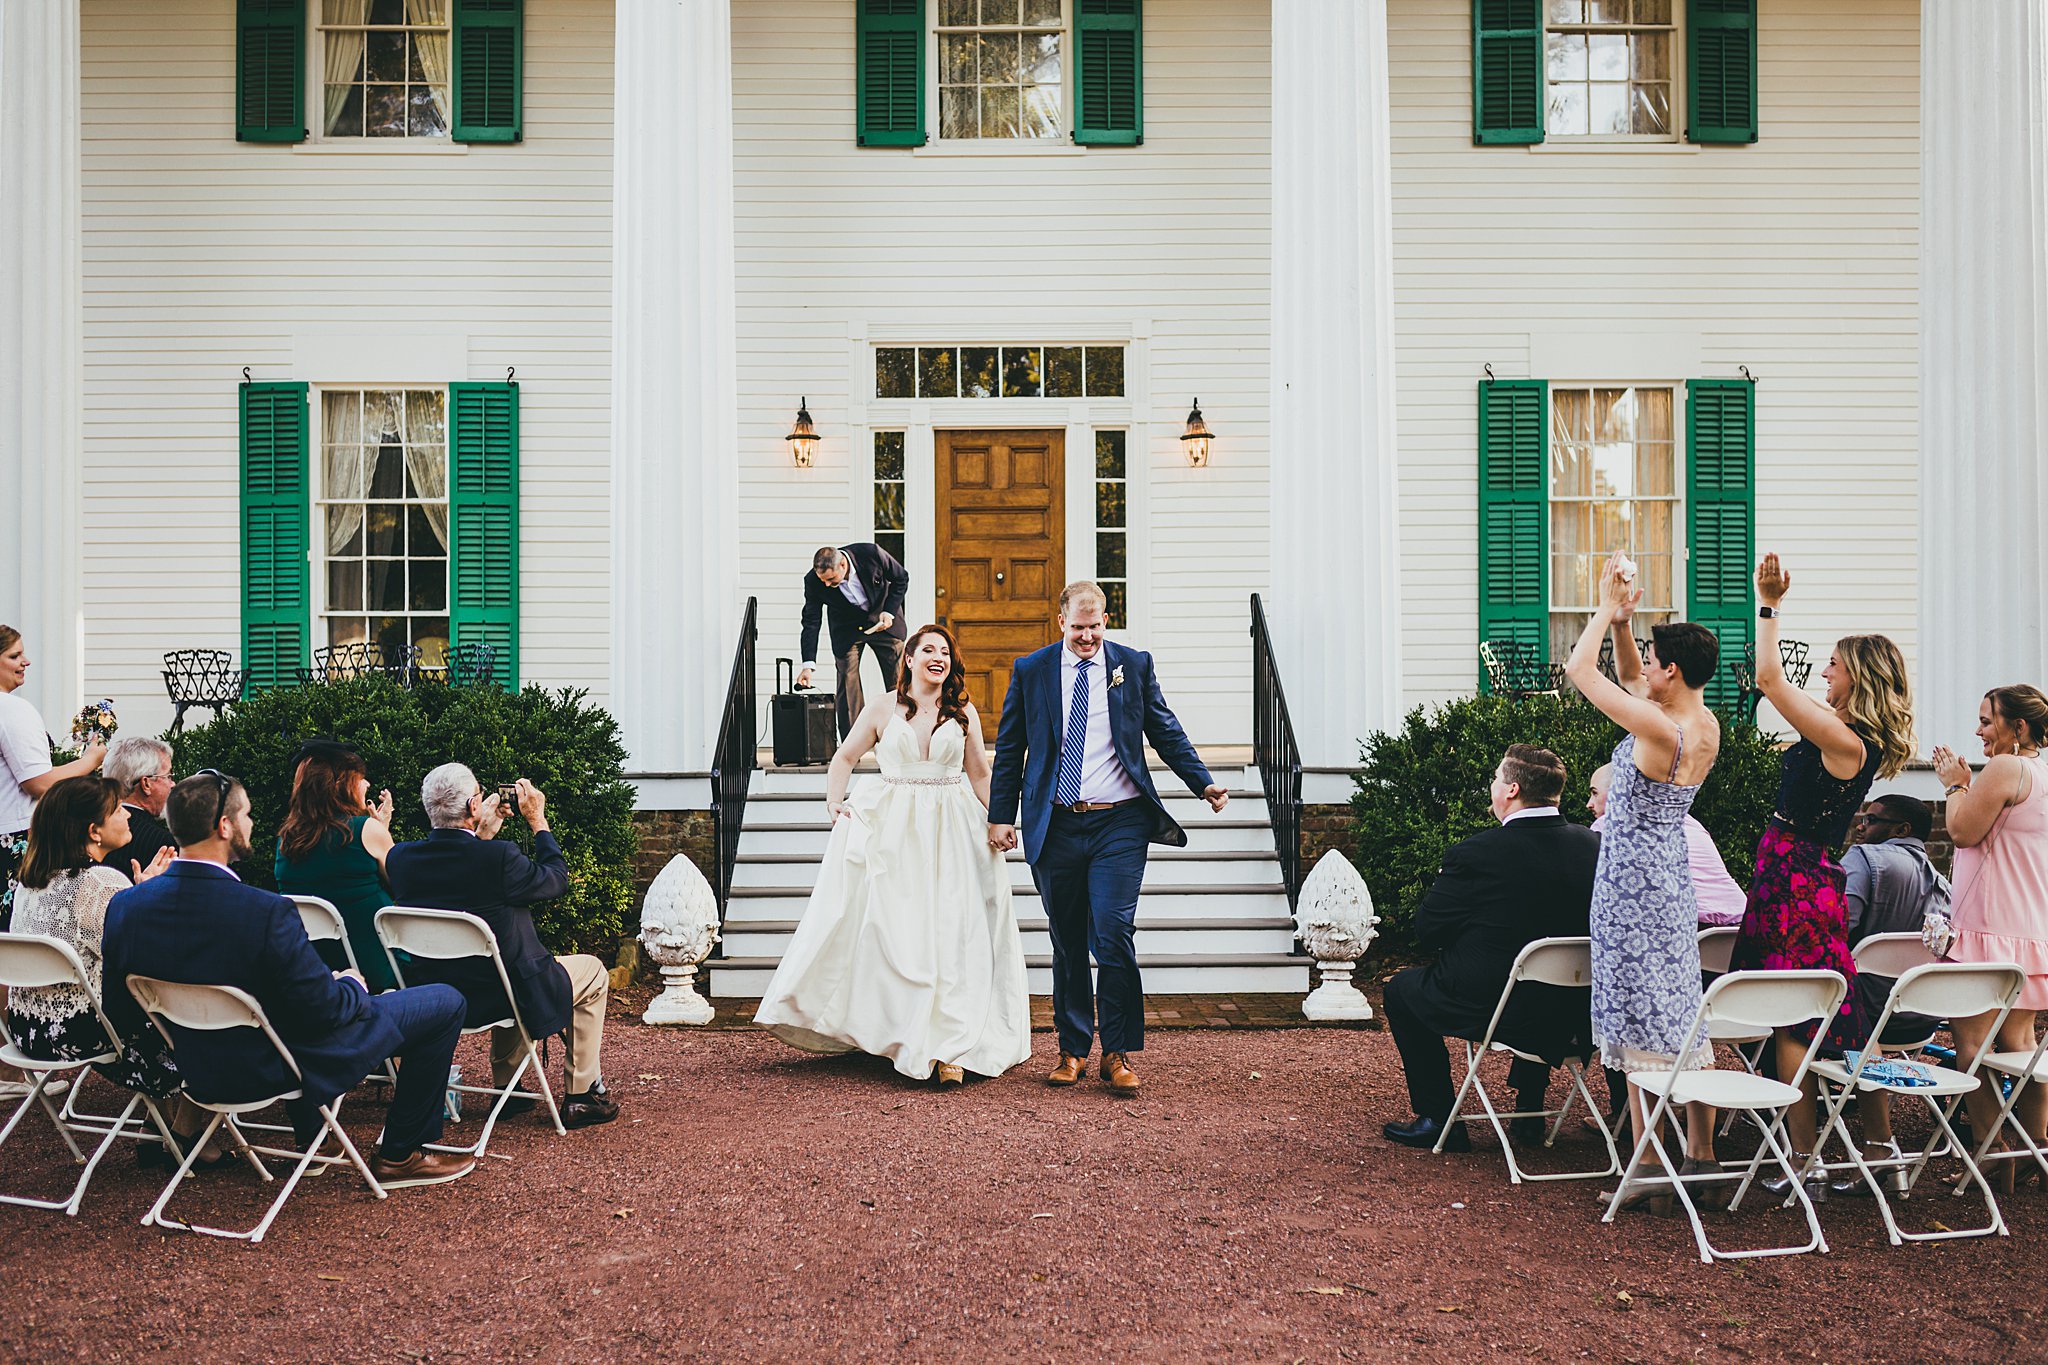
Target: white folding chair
{"x": 1759, "y": 1002}
{"x": 210, "y": 1008}
{"x": 324, "y": 924}
{"x": 1945, "y": 990}
{"x": 2022, "y": 1069}
{"x": 1717, "y": 948}
{"x": 29, "y": 961}
{"x": 448, "y": 934}
{"x": 1563, "y": 962}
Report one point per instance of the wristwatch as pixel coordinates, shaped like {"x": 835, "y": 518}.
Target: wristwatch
{"x": 1767, "y": 613}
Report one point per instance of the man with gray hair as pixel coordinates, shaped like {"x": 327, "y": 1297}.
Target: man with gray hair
{"x": 143, "y": 768}
{"x": 456, "y": 868}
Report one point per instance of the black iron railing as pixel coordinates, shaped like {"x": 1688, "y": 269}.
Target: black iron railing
{"x": 734, "y": 758}
{"x": 1274, "y": 750}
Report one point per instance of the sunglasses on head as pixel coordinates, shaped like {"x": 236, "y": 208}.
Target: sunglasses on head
{"x": 226, "y": 785}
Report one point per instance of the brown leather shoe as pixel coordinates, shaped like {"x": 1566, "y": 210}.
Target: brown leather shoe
{"x": 421, "y": 1168}
{"x": 1070, "y": 1070}
{"x": 1116, "y": 1069}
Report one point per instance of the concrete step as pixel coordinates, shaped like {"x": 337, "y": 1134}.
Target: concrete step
{"x": 1166, "y": 867}
{"x": 786, "y": 806}
{"x": 1250, "y": 973}
{"x": 782, "y": 781}
{"x": 755, "y": 904}
{"x": 1214, "y": 938}
{"x": 809, "y": 836}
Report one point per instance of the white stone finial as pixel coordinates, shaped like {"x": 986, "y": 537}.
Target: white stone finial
{"x": 1336, "y": 922}
{"x": 678, "y": 925}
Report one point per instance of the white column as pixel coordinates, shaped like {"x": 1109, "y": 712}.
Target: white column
{"x": 1983, "y": 357}
{"x": 1335, "y": 601}
{"x": 42, "y": 347}
{"x": 675, "y": 443}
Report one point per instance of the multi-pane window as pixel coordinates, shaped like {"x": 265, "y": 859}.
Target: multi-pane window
{"x": 1608, "y": 65}
{"x": 1000, "y": 69}
{"x": 999, "y": 371}
{"x": 1613, "y": 486}
{"x": 385, "y": 68}
{"x": 383, "y": 519}
{"x": 889, "y": 492}
{"x": 1112, "y": 526}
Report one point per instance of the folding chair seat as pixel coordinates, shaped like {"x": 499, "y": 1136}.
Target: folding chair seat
{"x": 1717, "y": 949}
{"x": 324, "y": 924}
{"x": 450, "y": 934}
{"x": 209, "y": 1008}
{"x": 2022, "y": 1069}
{"x": 1943, "y": 990}
{"x": 1759, "y": 1002}
{"x": 1565, "y": 962}
{"x": 28, "y": 961}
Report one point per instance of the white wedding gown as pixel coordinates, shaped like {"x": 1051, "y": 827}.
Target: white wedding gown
{"x": 908, "y": 949}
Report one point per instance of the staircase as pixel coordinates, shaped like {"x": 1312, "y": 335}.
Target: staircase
{"x": 1213, "y": 918}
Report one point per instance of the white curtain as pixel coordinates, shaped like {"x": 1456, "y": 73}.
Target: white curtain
{"x": 433, "y": 50}
{"x": 344, "y": 54}
{"x": 426, "y": 455}
{"x": 347, "y": 474}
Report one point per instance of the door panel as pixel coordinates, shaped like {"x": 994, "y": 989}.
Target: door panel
{"x": 1001, "y": 540}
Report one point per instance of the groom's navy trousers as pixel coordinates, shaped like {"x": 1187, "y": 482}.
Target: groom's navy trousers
{"x": 1088, "y": 873}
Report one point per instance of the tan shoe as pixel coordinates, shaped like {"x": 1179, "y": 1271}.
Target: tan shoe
{"x": 421, "y": 1168}
{"x": 1070, "y": 1070}
{"x": 1116, "y": 1069}
{"x": 948, "y": 1074}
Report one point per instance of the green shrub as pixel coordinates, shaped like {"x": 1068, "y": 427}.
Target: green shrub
{"x": 569, "y": 749}
{"x": 1424, "y": 787}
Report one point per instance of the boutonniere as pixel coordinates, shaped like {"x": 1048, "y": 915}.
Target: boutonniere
{"x": 1116, "y": 677}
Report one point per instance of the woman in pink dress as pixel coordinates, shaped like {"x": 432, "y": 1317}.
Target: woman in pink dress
{"x": 1999, "y": 821}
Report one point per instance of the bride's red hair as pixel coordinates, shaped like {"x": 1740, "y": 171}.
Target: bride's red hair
{"x": 952, "y": 692}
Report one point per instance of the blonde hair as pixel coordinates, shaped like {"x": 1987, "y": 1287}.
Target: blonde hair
{"x": 1880, "y": 704}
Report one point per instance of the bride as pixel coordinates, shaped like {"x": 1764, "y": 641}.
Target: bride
{"x": 908, "y": 949}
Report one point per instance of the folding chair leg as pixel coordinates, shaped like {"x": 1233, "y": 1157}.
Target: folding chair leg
{"x": 531, "y": 1057}
{"x": 330, "y": 1125}
{"x": 1458, "y": 1104}
{"x": 69, "y": 1204}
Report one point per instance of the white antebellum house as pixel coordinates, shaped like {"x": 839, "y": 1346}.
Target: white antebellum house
{"x": 527, "y": 293}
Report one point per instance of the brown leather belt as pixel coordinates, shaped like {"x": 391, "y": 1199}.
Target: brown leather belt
{"x": 1084, "y": 807}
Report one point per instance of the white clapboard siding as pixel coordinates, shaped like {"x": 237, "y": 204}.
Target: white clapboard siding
{"x": 1796, "y": 256}
{"x": 203, "y": 255}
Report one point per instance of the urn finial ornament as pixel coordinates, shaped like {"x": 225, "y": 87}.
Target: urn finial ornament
{"x": 678, "y": 925}
{"x": 1336, "y": 923}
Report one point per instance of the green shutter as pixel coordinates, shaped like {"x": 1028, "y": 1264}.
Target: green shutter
{"x": 1514, "y": 560}
{"x": 277, "y": 610}
{"x": 1507, "y": 71}
{"x": 1720, "y": 453}
{"x": 889, "y": 79}
{"x": 483, "y": 519}
{"x": 1720, "y": 48}
{"x": 1109, "y": 73}
{"x": 270, "y": 71}
{"x": 489, "y": 65}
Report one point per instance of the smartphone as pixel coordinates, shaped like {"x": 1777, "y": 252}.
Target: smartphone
{"x": 508, "y": 796}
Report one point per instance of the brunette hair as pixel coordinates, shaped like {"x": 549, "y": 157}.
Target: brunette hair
{"x": 952, "y": 692}
{"x": 1539, "y": 773}
{"x": 1880, "y": 704}
{"x": 1690, "y": 645}
{"x": 8, "y": 635}
{"x": 62, "y": 826}
{"x": 321, "y": 801}
{"x": 2022, "y": 705}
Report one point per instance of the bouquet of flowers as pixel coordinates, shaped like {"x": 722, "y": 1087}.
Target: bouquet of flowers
{"x": 95, "y": 723}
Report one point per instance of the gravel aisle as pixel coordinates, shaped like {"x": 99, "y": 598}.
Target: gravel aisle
{"x": 754, "y": 1204}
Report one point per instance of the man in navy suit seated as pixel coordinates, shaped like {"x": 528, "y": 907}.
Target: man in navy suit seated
{"x": 198, "y": 923}
{"x": 454, "y": 868}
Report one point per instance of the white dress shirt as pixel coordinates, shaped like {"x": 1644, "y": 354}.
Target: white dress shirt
{"x": 1102, "y": 773}
{"x": 1527, "y": 813}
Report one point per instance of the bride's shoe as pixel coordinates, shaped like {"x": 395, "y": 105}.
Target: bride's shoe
{"x": 948, "y": 1074}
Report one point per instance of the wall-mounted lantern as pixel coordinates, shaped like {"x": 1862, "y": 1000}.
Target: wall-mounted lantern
{"x": 1195, "y": 439}
{"x": 803, "y": 438}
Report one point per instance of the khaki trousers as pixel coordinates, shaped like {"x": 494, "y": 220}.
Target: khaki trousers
{"x": 589, "y": 988}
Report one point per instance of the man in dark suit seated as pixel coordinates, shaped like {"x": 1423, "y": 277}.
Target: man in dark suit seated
{"x": 1498, "y": 891}
{"x": 198, "y": 923}
{"x": 859, "y": 591}
{"x": 455, "y": 869}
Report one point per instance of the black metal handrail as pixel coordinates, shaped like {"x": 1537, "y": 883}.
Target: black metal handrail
{"x": 1274, "y": 750}
{"x": 734, "y": 758}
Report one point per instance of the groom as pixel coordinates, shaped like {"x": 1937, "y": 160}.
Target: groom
{"x": 1073, "y": 736}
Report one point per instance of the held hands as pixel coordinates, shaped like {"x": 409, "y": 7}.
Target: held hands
{"x": 1952, "y": 771}
{"x": 1772, "y": 580}
{"x": 1217, "y": 797}
{"x": 1002, "y": 838}
{"x": 157, "y": 864}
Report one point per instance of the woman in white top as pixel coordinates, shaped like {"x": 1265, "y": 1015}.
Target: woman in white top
{"x": 25, "y": 771}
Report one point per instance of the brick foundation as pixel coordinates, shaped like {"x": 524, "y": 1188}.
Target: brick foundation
{"x": 1324, "y": 828}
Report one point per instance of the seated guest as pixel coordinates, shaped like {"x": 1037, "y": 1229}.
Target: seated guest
{"x": 454, "y": 869}
{"x": 1498, "y": 891}
{"x": 143, "y": 768}
{"x": 1721, "y": 901}
{"x": 199, "y": 923}
{"x": 333, "y": 844}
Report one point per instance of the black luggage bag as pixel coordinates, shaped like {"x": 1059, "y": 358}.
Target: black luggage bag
{"x": 804, "y": 724}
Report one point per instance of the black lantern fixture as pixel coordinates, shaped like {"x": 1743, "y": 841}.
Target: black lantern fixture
{"x": 803, "y": 438}
{"x": 1195, "y": 439}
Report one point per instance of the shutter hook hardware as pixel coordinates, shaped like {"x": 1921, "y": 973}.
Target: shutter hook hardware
{"x": 509, "y": 373}
{"x": 1746, "y": 374}
{"x": 1489, "y": 373}
{"x": 245, "y": 374}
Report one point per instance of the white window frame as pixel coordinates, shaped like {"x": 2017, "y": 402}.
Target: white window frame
{"x": 868, "y": 394}
{"x": 1680, "y": 471}
{"x": 1060, "y": 141}
{"x": 316, "y": 96}
{"x": 1674, "y": 134}
{"x": 1095, "y": 514}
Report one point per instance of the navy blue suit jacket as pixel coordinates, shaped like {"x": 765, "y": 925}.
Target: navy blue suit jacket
{"x": 196, "y": 923}
{"x": 452, "y": 869}
{"x": 1028, "y": 741}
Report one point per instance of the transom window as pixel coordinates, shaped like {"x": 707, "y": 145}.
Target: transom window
{"x": 385, "y": 68}
{"x": 1001, "y": 69}
{"x": 1609, "y": 68}
{"x": 999, "y": 372}
{"x": 383, "y": 510}
{"x": 1112, "y": 523}
{"x": 1613, "y": 486}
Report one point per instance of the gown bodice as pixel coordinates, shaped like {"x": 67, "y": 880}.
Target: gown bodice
{"x": 898, "y": 757}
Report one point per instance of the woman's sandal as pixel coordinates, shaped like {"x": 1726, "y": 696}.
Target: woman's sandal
{"x": 1647, "y": 1198}
{"x": 948, "y": 1074}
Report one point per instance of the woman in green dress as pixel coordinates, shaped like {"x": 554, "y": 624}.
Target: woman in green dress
{"x": 333, "y": 845}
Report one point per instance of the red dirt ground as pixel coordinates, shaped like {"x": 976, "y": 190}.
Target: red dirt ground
{"x": 755, "y": 1204}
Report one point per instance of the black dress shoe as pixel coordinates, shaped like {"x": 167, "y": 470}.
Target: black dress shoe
{"x": 1528, "y": 1132}
{"x": 591, "y": 1107}
{"x": 1423, "y": 1132}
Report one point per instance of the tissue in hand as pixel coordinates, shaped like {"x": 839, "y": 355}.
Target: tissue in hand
{"x": 1626, "y": 569}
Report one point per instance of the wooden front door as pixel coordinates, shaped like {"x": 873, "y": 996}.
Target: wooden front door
{"x": 1001, "y": 552}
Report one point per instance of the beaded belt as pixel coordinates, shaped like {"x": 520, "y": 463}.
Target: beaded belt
{"x": 923, "y": 781}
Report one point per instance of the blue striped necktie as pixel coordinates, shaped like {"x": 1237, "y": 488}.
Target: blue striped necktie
{"x": 1066, "y": 788}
